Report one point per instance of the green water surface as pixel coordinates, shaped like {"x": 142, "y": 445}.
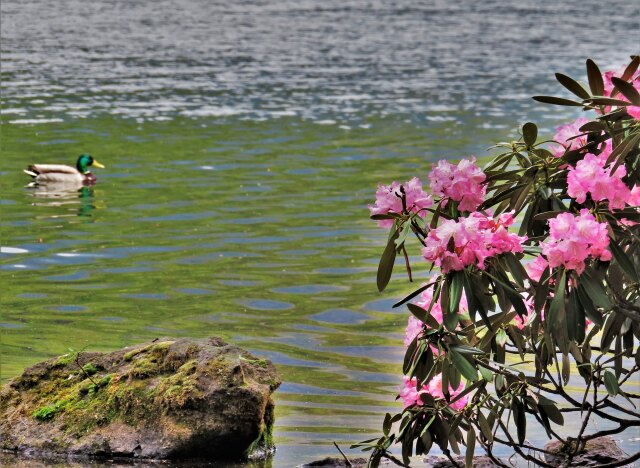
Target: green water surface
{"x": 255, "y": 232}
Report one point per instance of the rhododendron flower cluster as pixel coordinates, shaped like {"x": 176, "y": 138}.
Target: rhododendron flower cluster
{"x": 470, "y": 240}
{"x": 565, "y": 136}
{"x": 389, "y": 200}
{"x": 573, "y": 239}
{"x": 411, "y": 395}
{"x": 590, "y": 176}
{"x": 462, "y": 183}
{"x": 521, "y": 299}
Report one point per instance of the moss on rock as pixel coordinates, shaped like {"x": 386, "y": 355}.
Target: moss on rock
{"x": 165, "y": 399}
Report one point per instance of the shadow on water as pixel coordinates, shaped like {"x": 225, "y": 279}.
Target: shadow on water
{"x": 10, "y": 460}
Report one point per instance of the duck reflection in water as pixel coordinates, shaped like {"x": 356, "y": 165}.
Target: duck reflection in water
{"x": 70, "y": 194}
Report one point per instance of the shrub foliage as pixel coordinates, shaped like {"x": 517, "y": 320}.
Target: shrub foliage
{"x": 536, "y": 285}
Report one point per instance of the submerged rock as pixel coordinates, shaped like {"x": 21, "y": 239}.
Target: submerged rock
{"x": 336, "y": 462}
{"x": 166, "y": 399}
{"x": 599, "y": 451}
{"x": 480, "y": 461}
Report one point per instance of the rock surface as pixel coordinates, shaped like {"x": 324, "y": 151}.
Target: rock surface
{"x": 596, "y": 452}
{"x": 166, "y": 399}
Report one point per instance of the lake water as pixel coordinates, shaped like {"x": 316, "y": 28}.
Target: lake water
{"x": 243, "y": 141}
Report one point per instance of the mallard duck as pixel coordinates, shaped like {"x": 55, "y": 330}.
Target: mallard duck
{"x": 61, "y": 174}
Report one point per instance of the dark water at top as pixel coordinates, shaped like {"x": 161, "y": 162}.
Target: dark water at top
{"x": 243, "y": 141}
{"x": 320, "y": 60}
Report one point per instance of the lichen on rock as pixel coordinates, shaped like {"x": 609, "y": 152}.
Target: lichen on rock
{"x": 171, "y": 398}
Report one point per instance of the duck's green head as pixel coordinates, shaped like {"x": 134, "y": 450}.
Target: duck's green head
{"x": 86, "y": 160}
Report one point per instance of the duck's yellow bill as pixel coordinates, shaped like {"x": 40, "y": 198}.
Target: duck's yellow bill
{"x": 97, "y": 164}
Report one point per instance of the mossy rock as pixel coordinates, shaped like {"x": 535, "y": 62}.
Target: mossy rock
{"x": 167, "y": 399}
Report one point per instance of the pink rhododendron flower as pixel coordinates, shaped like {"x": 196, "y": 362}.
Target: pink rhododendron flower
{"x": 462, "y": 183}
{"x": 409, "y": 392}
{"x": 414, "y": 327}
{"x": 470, "y": 240}
{"x": 435, "y": 389}
{"x": 573, "y": 239}
{"x": 634, "y": 196}
{"x": 388, "y": 200}
{"x": 634, "y": 111}
{"x": 536, "y": 268}
{"x": 590, "y": 176}
{"x": 564, "y": 135}
{"x": 411, "y": 395}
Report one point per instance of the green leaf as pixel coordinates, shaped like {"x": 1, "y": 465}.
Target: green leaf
{"x": 472, "y": 303}
{"x": 566, "y": 369}
{"x": 623, "y": 260}
{"x": 573, "y": 86}
{"x": 529, "y": 134}
{"x": 611, "y": 330}
{"x": 595, "y": 78}
{"x": 471, "y": 446}
{"x": 402, "y": 237}
{"x": 409, "y": 356}
{"x": 413, "y": 294}
{"x": 611, "y": 383}
{"x": 382, "y": 216}
{"x": 596, "y": 291}
{"x": 385, "y": 268}
{"x": 556, "y": 101}
{"x": 511, "y": 293}
{"x": 386, "y": 424}
{"x": 542, "y": 291}
{"x": 464, "y": 349}
{"x": 627, "y": 90}
{"x": 519, "y": 418}
{"x": 485, "y": 428}
{"x": 631, "y": 68}
{"x": 557, "y": 303}
{"x": 454, "y": 377}
{"x": 517, "y": 270}
{"x": 440, "y": 433}
{"x": 455, "y": 291}
{"x": 625, "y": 147}
{"x": 551, "y": 410}
{"x": 487, "y": 375}
{"x": 418, "y": 312}
{"x": 463, "y": 365}
{"x": 593, "y": 126}
{"x": 589, "y": 308}
{"x": 605, "y": 101}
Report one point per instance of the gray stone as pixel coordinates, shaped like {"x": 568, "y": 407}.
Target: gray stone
{"x": 166, "y": 399}
{"x": 596, "y": 452}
